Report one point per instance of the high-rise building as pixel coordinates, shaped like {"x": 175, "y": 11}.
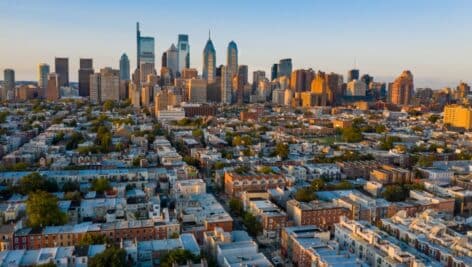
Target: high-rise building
{"x": 173, "y": 61}
{"x": 145, "y": 51}
{"x": 352, "y": 75}
{"x": 43, "y": 72}
{"x": 257, "y": 76}
{"x": 197, "y": 91}
{"x": 240, "y": 80}
{"x": 356, "y": 88}
{"x": 335, "y": 85}
{"x": 301, "y": 79}
{"x": 226, "y": 82}
{"x": 105, "y": 85}
{"x": 274, "y": 72}
{"x": 183, "y": 48}
{"x": 189, "y": 73}
{"x": 367, "y": 79}
{"x": 62, "y": 69}
{"x": 320, "y": 89}
{"x": 164, "y": 60}
{"x": 124, "y": 68}
{"x": 8, "y": 90}
{"x": 232, "y": 58}
{"x": 145, "y": 70}
{"x": 85, "y": 70}
{"x": 462, "y": 91}
{"x": 285, "y": 67}
{"x": 402, "y": 89}
{"x": 53, "y": 88}
{"x": 209, "y": 62}
{"x": 458, "y": 116}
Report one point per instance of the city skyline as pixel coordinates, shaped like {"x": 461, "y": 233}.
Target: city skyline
{"x": 416, "y": 42}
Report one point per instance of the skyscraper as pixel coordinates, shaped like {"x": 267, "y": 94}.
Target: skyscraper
{"x": 124, "y": 68}
{"x": 43, "y": 72}
{"x": 209, "y": 61}
{"x": 300, "y": 80}
{"x": 352, "y": 75}
{"x": 319, "y": 87}
{"x": 285, "y": 67}
{"x": 105, "y": 85}
{"x": 462, "y": 91}
{"x": 145, "y": 48}
{"x": 52, "y": 91}
{"x": 62, "y": 69}
{"x": 173, "y": 60}
{"x": 8, "y": 90}
{"x": 85, "y": 70}
{"x": 257, "y": 76}
{"x": 274, "y": 72}
{"x": 164, "y": 60}
{"x": 226, "y": 90}
{"x": 184, "y": 52}
{"x": 232, "y": 58}
{"x": 402, "y": 89}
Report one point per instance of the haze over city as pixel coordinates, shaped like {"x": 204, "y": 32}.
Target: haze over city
{"x": 430, "y": 38}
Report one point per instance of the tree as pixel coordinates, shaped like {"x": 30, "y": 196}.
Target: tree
{"x": 282, "y": 150}
{"x": 351, "y": 135}
{"x": 394, "y": 193}
{"x": 236, "y": 206}
{"x": 387, "y": 142}
{"x": 305, "y": 194}
{"x": 179, "y": 256}
{"x": 254, "y": 227}
{"x": 318, "y": 184}
{"x": 42, "y": 210}
{"x": 426, "y": 160}
{"x": 110, "y": 257}
{"x": 93, "y": 239}
{"x": 433, "y": 118}
{"x": 108, "y": 105}
{"x": 380, "y": 128}
{"x": 70, "y": 186}
{"x": 34, "y": 181}
{"x": 101, "y": 185}
{"x": 343, "y": 185}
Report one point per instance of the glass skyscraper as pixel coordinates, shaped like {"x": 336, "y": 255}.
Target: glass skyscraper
{"x": 124, "y": 68}
{"x": 43, "y": 72}
{"x": 145, "y": 48}
{"x": 184, "y": 52}
{"x": 209, "y": 62}
{"x": 285, "y": 67}
{"x": 232, "y": 58}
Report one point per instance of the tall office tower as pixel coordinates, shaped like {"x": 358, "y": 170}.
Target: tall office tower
{"x": 109, "y": 84}
{"x": 189, "y": 73}
{"x": 197, "y": 91}
{"x": 62, "y": 69}
{"x": 352, "y": 75}
{"x": 226, "y": 81}
{"x": 300, "y": 80}
{"x": 285, "y": 67}
{"x": 458, "y": 116}
{"x": 274, "y": 72}
{"x": 320, "y": 88}
{"x": 145, "y": 48}
{"x": 356, "y": 88}
{"x": 183, "y": 48}
{"x": 52, "y": 90}
{"x": 239, "y": 83}
{"x": 243, "y": 73}
{"x": 144, "y": 70}
{"x": 367, "y": 79}
{"x": 85, "y": 70}
{"x": 164, "y": 60}
{"x": 209, "y": 62}
{"x": 8, "y": 90}
{"x": 462, "y": 91}
{"x": 43, "y": 72}
{"x": 219, "y": 71}
{"x": 232, "y": 58}
{"x": 335, "y": 85}
{"x": 257, "y": 76}
{"x": 173, "y": 61}
{"x": 124, "y": 68}
{"x": 166, "y": 78}
{"x": 402, "y": 89}
{"x": 95, "y": 88}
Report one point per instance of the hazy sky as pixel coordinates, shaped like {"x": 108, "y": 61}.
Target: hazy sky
{"x": 432, "y": 38}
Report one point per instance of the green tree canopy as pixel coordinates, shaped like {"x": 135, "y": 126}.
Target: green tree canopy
{"x": 33, "y": 182}
{"x": 101, "y": 185}
{"x": 42, "y": 210}
{"x": 179, "y": 256}
{"x": 305, "y": 194}
{"x": 111, "y": 257}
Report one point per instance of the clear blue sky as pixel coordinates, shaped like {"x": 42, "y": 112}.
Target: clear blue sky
{"x": 432, "y": 38}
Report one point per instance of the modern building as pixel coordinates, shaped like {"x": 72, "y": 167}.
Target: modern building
{"x": 43, "y": 72}
{"x": 8, "y": 89}
{"x": 105, "y": 85}
{"x": 53, "y": 88}
{"x": 300, "y": 80}
{"x": 462, "y": 91}
{"x": 274, "y": 71}
{"x": 172, "y": 63}
{"x": 257, "y": 76}
{"x": 232, "y": 58}
{"x": 402, "y": 89}
{"x": 352, "y": 75}
{"x": 62, "y": 70}
{"x": 226, "y": 85}
{"x": 209, "y": 62}
{"x": 458, "y": 116}
{"x": 197, "y": 91}
{"x": 285, "y": 67}
{"x": 85, "y": 70}
{"x": 124, "y": 68}
{"x": 320, "y": 87}
{"x": 183, "y": 48}
{"x": 145, "y": 53}
{"x": 356, "y": 88}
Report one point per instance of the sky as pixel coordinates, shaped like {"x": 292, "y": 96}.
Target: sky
{"x": 432, "y": 38}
